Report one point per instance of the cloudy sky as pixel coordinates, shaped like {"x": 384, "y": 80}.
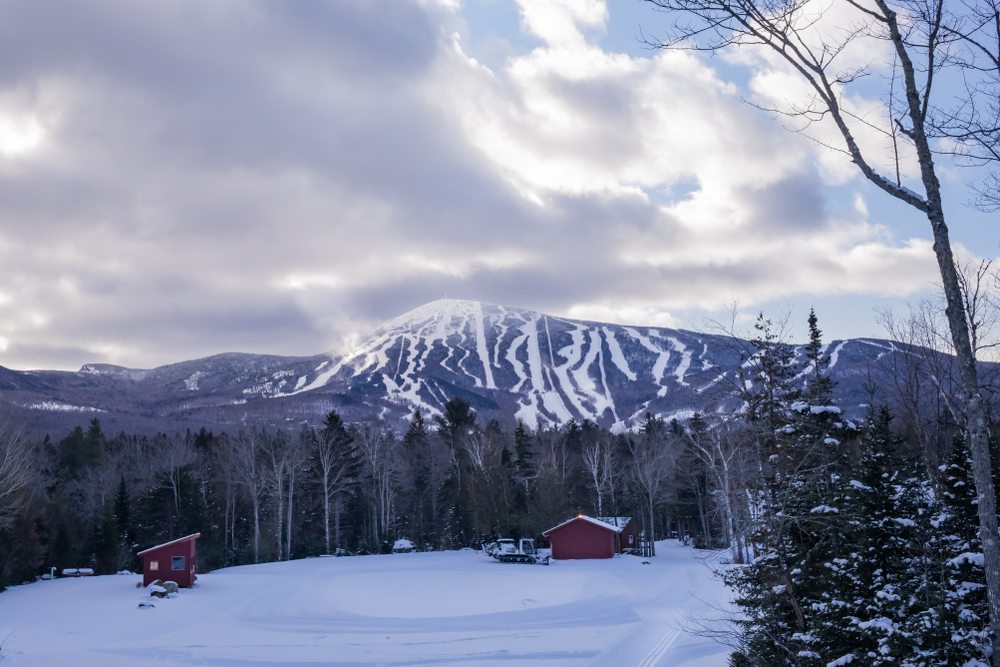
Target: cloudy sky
{"x": 183, "y": 178}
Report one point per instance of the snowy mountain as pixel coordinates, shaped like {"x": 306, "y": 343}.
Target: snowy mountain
{"x": 505, "y": 361}
{"x": 531, "y": 365}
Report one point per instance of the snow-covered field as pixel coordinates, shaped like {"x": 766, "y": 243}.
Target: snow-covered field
{"x": 447, "y": 608}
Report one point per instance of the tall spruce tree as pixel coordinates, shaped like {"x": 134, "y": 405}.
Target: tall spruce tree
{"x": 523, "y": 466}
{"x": 455, "y": 426}
{"x": 860, "y": 611}
{"x": 800, "y": 445}
{"x": 820, "y": 386}
{"x": 337, "y": 473}
{"x": 416, "y": 451}
{"x": 946, "y": 612}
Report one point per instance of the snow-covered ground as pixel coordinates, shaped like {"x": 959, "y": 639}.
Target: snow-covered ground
{"x": 448, "y": 608}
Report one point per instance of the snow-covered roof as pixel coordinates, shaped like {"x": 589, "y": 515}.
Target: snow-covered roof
{"x": 616, "y": 521}
{"x": 165, "y": 544}
{"x": 584, "y": 517}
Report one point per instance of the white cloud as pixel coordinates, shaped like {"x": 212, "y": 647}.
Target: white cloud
{"x": 559, "y": 22}
{"x": 19, "y": 135}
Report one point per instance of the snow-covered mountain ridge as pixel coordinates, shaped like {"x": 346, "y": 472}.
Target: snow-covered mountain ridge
{"x": 505, "y": 361}
{"x": 536, "y": 366}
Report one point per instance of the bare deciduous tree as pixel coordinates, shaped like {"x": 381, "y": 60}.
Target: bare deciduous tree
{"x": 171, "y": 456}
{"x": 245, "y": 454}
{"x": 919, "y": 380}
{"x": 599, "y": 460}
{"x": 16, "y": 467}
{"x": 377, "y": 448}
{"x": 723, "y": 451}
{"x": 284, "y": 456}
{"x": 226, "y": 474}
{"x": 920, "y": 374}
{"x": 974, "y": 125}
{"x": 654, "y": 457}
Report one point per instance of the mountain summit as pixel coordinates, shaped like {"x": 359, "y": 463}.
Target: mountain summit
{"x": 531, "y": 365}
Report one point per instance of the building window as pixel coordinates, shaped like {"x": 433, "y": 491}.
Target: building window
{"x": 177, "y": 562}
{"x": 154, "y": 565}
{"x": 630, "y": 538}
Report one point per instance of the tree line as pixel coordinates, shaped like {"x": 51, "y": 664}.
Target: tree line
{"x": 91, "y": 499}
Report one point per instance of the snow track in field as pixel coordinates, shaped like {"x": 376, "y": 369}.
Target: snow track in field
{"x": 660, "y": 650}
{"x": 443, "y": 608}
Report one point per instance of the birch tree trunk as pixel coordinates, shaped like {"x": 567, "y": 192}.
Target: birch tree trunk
{"x": 975, "y": 409}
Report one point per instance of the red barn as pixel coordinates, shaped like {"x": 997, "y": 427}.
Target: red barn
{"x": 173, "y": 561}
{"x": 586, "y": 537}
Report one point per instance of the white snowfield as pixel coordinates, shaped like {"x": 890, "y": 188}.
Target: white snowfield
{"x": 447, "y": 608}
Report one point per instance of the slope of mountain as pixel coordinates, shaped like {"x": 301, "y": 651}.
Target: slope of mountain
{"x": 505, "y": 361}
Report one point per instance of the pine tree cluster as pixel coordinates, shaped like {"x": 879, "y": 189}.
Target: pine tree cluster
{"x": 861, "y": 557}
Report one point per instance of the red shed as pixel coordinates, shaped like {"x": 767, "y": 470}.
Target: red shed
{"x": 173, "y": 561}
{"x": 628, "y": 531}
{"x": 584, "y": 537}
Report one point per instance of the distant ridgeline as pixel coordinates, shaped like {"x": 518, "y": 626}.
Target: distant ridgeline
{"x": 508, "y": 363}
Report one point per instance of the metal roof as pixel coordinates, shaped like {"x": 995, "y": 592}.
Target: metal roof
{"x": 167, "y": 544}
{"x": 584, "y": 517}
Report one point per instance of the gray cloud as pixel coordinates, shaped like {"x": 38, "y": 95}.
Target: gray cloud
{"x": 275, "y": 177}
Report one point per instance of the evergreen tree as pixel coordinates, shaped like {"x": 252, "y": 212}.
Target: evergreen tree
{"x": 416, "y": 450}
{"x": 80, "y": 450}
{"x": 522, "y": 476}
{"x": 455, "y": 426}
{"x": 337, "y": 473}
{"x": 820, "y": 386}
{"x": 524, "y": 467}
{"x": 123, "y": 519}
{"x": 800, "y": 445}
{"x": 122, "y": 523}
{"x": 105, "y": 550}
{"x": 457, "y": 421}
{"x": 861, "y": 610}
{"x": 95, "y": 441}
{"x": 203, "y": 440}
{"x": 947, "y": 619}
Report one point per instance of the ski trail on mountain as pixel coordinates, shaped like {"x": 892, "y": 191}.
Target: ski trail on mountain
{"x": 548, "y": 336}
{"x": 616, "y": 354}
{"x": 685, "y": 364}
{"x": 662, "y": 358}
{"x": 604, "y": 381}
{"x": 522, "y": 376}
{"x": 484, "y": 355}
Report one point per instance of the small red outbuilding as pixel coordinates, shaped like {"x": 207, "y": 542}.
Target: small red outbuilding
{"x": 173, "y": 561}
{"x": 628, "y": 531}
{"x": 586, "y": 537}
